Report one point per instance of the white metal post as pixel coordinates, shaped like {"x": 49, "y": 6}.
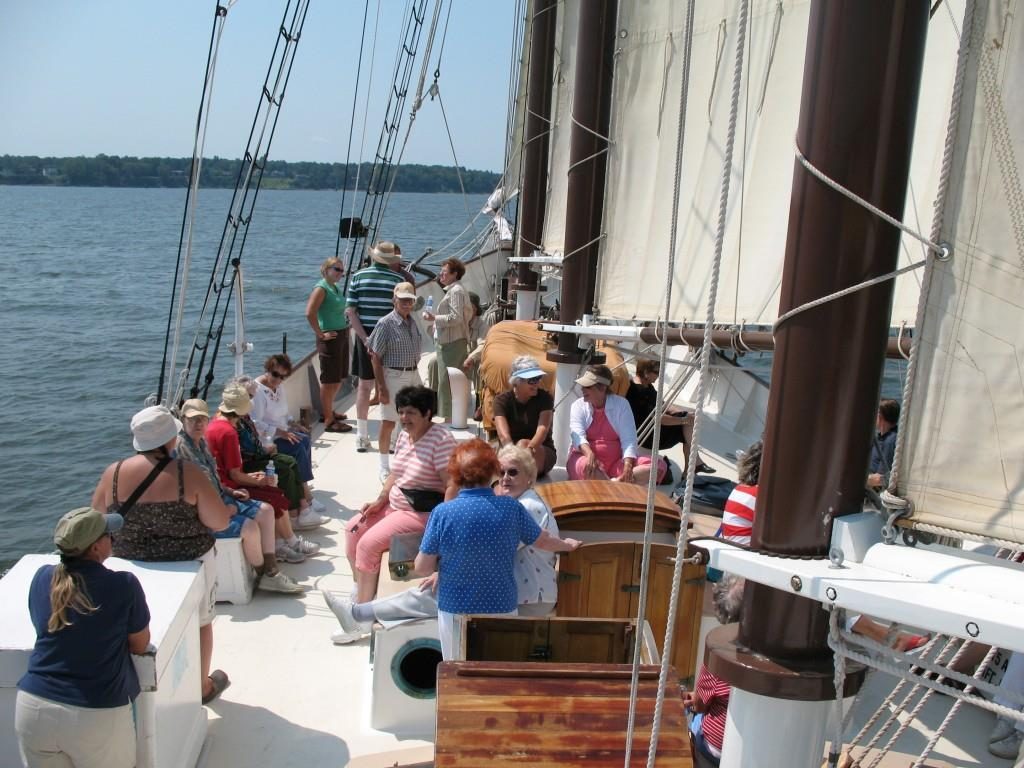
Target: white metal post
{"x": 761, "y": 732}
{"x": 565, "y": 376}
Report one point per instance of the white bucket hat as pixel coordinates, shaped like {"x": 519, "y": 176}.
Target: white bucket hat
{"x": 153, "y": 427}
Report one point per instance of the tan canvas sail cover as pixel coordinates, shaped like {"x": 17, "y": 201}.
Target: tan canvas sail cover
{"x": 641, "y": 163}
{"x": 964, "y": 462}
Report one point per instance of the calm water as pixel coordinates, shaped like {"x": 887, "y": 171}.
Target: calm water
{"x": 85, "y": 280}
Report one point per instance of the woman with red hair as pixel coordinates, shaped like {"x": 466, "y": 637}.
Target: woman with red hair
{"x": 475, "y": 536}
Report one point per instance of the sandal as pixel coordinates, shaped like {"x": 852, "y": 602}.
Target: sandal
{"x": 337, "y": 416}
{"x": 338, "y": 426}
{"x": 220, "y": 682}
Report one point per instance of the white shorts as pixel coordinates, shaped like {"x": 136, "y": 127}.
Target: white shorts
{"x": 52, "y": 735}
{"x": 208, "y": 602}
{"x": 396, "y": 380}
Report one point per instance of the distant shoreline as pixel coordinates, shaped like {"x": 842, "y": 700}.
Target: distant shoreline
{"x": 220, "y": 173}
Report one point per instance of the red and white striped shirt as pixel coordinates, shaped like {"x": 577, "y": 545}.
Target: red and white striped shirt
{"x": 714, "y": 692}
{"x": 419, "y": 465}
{"x": 738, "y": 517}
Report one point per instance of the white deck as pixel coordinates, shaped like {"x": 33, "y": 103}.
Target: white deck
{"x": 298, "y": 700}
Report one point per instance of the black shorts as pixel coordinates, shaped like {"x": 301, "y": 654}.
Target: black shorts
{"x": 361, "y": 365}
{"x": 333, "y": 358}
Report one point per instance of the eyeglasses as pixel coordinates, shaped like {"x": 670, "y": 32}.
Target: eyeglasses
{"x": 278, "y": 374}
{"x": 337, "y": 268}
{"x": 510, "y": 471}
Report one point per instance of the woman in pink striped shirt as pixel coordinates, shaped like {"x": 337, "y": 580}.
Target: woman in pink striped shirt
{"x": 420, "y": 464}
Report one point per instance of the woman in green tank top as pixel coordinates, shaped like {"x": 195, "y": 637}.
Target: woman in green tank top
{"x": 325, "y": 312}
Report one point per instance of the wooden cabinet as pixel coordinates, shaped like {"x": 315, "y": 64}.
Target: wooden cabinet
{"x": 603, "y": 581}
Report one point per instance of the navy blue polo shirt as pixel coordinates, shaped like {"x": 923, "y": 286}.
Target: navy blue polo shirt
{"x": 88, "y": 663}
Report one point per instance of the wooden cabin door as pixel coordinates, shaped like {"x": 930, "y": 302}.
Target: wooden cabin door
{"x": 603, "y": 581}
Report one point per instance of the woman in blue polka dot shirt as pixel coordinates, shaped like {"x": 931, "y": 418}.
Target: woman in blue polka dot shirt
{"x": 471, "y": 542}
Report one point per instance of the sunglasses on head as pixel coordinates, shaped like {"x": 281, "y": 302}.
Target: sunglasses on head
{"x": 277, "y": 374}
{"x": 510, "y": 471}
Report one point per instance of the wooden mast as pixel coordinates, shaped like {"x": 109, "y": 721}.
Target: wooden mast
{"x": 536, "y": 142}
{"x": 860, "y": 89}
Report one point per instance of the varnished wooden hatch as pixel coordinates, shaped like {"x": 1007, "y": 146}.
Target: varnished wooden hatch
{"x": 560, "y": 715}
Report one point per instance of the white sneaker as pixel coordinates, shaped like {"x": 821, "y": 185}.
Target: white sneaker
{"x": 279, "y": 582}
{"x": 1003, "y": 728}
{"x": 308, "y": 520}
{"x": 351, "y": 630}
{"x": 303, "y": 546}
{"x": 287, "y": 554}
{"x": 1008, "y": 748}
{"x": 318, "y": 506}
{"x": 363, "y": 444}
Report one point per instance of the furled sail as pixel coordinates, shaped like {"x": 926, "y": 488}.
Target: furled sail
{"x": 634, "y": 255}
{"x": 561, "y": 125}
{"x": 962, "y": 464}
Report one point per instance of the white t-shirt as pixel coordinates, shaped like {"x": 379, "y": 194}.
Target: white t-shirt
{"x": 536, "y": 577}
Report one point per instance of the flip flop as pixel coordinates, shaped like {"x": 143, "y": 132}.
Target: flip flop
{"x": 220, "y": 683}
{"x": 338, "y": 426}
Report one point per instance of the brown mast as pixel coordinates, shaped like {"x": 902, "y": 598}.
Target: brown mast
{"x": 595, "y": 49}
{"x": 536, "y": 137}
{"x": 860, "y": 89}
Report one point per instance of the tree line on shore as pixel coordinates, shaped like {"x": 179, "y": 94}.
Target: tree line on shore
{"x": 115, "y": 171}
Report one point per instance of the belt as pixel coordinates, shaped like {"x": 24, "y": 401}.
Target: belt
{"x": 398, "y": 368}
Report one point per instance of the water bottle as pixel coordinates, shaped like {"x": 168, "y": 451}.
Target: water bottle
{"x": 428, "y": 308}
{"x": 271, "y": 473}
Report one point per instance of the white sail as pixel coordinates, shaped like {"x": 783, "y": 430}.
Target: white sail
{"x": 553, "y": 239}
{"x": 641, "y": 164}
{"x": 963, "y": 466}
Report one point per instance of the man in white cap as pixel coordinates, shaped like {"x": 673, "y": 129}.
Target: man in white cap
{"x": 395, "y": 344}
{"x": 369, "y": 299}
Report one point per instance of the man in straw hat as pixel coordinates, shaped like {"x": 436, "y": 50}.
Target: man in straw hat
{"x": 369, "y": 299}
{"x": 395, "y": 345}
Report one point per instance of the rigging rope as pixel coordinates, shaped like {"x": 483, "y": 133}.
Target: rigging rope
{"x": 185, "y": 239}
{"x": 240, "y": 213}
{"x": 351, "y": 128}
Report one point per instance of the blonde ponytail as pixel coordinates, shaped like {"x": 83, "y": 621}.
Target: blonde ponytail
{"x": 66, "y": 591}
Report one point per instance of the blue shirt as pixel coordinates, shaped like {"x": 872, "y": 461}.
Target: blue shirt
{"x": 883, "y": 451}
{"x": 476, "y": 536}
{"x": 88, "y": 663}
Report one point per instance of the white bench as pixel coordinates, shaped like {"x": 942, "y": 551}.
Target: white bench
{"x": 235, "y": 577}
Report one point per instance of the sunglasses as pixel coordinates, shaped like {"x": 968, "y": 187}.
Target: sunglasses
{"x": 336, "y": 268}
{"x": 278, "y": 374}
{"x": 532, "y": 382}
{"x": 510, "y": 471}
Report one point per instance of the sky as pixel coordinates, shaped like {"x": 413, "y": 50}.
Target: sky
{"x": 84, "y": 77}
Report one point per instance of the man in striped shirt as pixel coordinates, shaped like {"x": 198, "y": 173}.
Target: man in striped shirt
{"x": 369, "y": 299}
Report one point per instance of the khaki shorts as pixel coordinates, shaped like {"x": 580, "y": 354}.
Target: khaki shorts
{"x": 396, "y": 380}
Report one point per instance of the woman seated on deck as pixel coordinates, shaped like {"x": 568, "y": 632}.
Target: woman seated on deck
{"x": 535, "y": 575}
{"x": 522, "y": 415}
{"x": 271, "y": 415}
{"x": 709, "y": 700}
{"x": 257, "y": 455}
{"x": 169, "y": 508}
{"x": 74, "y": 704}
{"x": 472, "y": 542}
{"x": 676, "y": 424}
{"x": 253, "y": 521}
{"x": 604, "y": 434}
{"x": 222, "y": 439}
{"x": 419, "y": 473}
